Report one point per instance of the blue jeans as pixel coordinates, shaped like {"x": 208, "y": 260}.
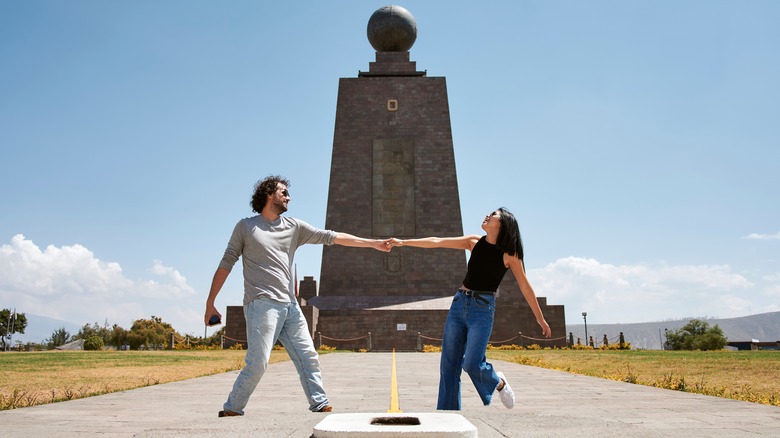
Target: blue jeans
{"x": 266, "y": 321}
{"x": 466, "y": 334}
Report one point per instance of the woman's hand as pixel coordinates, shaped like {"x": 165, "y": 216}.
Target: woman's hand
{"x": 546, "y": 331}
{"x": 393, "y": 242}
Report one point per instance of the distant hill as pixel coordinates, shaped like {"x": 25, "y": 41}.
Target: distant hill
{"x": 41, "y": 327}
{"x": 650, "y": 335}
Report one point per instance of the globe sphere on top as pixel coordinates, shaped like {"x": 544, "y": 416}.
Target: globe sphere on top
{"x": 392, "y": 29}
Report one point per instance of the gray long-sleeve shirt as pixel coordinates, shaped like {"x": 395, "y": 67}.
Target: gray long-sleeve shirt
{"x": 267, "y": 250}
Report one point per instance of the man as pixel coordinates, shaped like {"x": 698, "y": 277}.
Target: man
{"x": 266, "y": 244}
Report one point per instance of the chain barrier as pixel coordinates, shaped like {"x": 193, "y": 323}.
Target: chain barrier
{"x": 343, "y": 340}
{"x": 502, "y": 342}
{"x": 186, "y": 340}
{"x": 320, "y": 336}
{"x": 543, "y": 339}
{"x": 421, "y": 337}
{"x": 605, "y": 342}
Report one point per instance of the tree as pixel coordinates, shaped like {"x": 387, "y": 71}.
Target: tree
{"x": 697, "y": 335}
{"x": 93, "y": 343}
{"x": 95, "y": 329}
{"x": 151, "y": 333}
{"x": 58, "y": 337}
{"x": 118, "y": 337}
{"x": 10, "y": 323}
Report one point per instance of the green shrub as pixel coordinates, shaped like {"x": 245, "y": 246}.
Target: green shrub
{"x": 697, "y": 335}
{"x": 93, "y": 343}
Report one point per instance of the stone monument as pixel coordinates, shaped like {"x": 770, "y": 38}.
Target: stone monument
{"x": 392, "y": 175}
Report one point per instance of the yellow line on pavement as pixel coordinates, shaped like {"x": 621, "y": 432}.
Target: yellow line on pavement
{"x": 394, "y": 390}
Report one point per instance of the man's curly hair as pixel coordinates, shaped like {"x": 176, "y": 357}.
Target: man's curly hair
{"x": 263, "y": 188}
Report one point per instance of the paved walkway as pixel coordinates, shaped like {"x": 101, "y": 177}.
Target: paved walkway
{"x": 550, "y": 404}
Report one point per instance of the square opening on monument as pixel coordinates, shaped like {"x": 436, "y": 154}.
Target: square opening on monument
{"x": 395, "y": 421}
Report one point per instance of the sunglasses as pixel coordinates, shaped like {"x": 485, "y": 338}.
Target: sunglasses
{"x": 498, "y": 215}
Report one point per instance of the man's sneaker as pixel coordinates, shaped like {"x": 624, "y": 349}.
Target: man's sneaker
{"x": 228, "y": 414}
{"x": 326, "y": 408}
{"x": 506, "y": 394}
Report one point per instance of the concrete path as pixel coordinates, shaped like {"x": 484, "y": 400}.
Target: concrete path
{"x": 550, "y": 404}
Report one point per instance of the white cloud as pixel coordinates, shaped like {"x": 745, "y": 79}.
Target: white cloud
{"x": 640, "y": 293}
{"x": 70, "y": 269}
{"x": 176, "y": 285}
{"x": 772, "y": 287}
{"x": 69, "y": 283}
{"x": 757, "y": 236}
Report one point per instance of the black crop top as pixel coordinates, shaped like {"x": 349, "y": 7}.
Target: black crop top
{"x": 486, "y": 267}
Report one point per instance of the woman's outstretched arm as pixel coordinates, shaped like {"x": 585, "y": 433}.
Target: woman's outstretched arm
{"x": 528, "y": 292}
{"x": 462, "y": 242}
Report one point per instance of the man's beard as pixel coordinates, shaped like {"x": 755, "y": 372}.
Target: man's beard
{"x": 280, "y": 207}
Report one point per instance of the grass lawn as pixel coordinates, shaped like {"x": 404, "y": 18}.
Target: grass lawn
{"x": 743, "y": 375}
{"x": 43, "y": 377}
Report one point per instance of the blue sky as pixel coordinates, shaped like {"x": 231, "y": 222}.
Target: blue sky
{"x": 636, "y": 142}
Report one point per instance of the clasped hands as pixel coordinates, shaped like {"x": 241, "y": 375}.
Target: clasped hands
{"x": 387, "y": 244}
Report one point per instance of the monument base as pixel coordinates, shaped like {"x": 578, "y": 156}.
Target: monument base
{"x": 395, "y": 424}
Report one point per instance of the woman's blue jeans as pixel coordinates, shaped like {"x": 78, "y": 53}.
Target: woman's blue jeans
{"x": 266, "y": 321}
{"x": 466, "y": 334}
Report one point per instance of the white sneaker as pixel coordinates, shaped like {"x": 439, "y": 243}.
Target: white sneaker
{"x": 506, "y": 394}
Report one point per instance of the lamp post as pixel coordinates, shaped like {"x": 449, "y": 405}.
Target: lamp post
{"x": 666, "y": 340}
{"x": 585, "y": 318}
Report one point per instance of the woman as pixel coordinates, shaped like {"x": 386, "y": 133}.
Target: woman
{"x": 470, "y": 319}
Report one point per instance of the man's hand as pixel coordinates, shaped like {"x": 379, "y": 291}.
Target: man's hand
{"x": 210, "y": 310}
{"x": 381, "y": 245}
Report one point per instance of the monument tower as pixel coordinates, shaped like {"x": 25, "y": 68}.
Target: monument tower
{"x": 392, "y": 172}
{"x": 392, "y": 175}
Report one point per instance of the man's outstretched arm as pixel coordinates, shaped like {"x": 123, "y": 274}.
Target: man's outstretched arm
{"x": 345, "y": 239}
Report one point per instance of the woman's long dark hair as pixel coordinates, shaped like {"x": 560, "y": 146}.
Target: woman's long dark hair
{"x": 263, "y": 188}
{"x": 509, "y": 240}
